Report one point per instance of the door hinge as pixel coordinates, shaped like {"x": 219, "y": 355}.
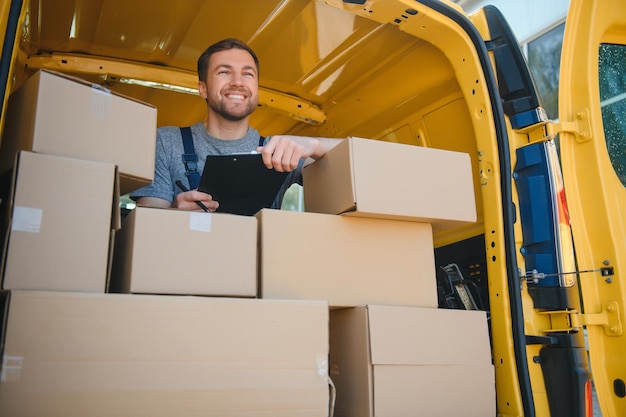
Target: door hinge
{"x": 572, "y": 320}
{"x": 580, "y": 127}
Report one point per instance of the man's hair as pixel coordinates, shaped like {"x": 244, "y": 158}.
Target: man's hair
{"x": 223, "y": 45}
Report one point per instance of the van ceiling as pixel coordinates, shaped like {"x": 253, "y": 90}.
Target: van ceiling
{"x": 316, "y": 59}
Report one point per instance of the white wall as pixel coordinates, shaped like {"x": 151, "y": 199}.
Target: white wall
{"x": 527, "y": 18}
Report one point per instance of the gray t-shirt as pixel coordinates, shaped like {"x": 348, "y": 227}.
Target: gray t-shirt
{"x": 169, "y": 166}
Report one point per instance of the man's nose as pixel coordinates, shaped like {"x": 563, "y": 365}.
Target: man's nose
{"x": 236, "y": 79}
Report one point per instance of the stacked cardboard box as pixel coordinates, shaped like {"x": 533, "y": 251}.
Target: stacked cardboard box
{"x": 60, "y": 219}
{"x": 375, "y": 179}
{"x": 168, "y": 251}
{"x": 365, "y": 245}
{"x": 73, "y": 348}
{"x": 60, "y": 115}
{"x": 367, "y": 234}
{"x": 68, "y": 146}
{"x": 408, "y": 361}
{"x": 80, "y": 354}
{"x": 186, "y": 336}
{"x": 347, "y": 261}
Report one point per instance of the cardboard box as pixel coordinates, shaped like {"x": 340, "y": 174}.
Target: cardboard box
{"x": 168, "y": 251}
{"x": 370, "y": 178}
{"x": 402, "y": 361}
{"x": 72, "y": 354}
{"x": 60, "y": 115}
{"x": 59, "y": 224}
{"x": 347, "y": 261}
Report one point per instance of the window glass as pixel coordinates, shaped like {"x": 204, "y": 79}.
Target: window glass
{"x": 544, "y": 60}
{"x": 293, "y": 199}
{"x": 612, "y": 71}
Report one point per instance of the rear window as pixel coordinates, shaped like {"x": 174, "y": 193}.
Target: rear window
{"x": 612, "y": 70}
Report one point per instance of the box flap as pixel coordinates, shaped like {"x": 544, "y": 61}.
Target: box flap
{"x": 116, "y": 215}
{"x": 6, "y": 208}
{"x": 130, "y": 183}
{"x": 428, "y": 336}
{"x": 16, "y": 136}
{"x": 350, "y": 367}
{"x": 121, "y": 267}
{"x": 4, "y": 318}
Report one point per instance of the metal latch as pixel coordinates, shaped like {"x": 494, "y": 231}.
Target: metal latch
{"x": 572, "y": 320}
{"x": 580, "y": 127}
{"x": 534, "y": 276}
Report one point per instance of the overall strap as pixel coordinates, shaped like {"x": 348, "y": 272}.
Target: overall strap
{"x": 190, "y": 159}
{"x": 262, "y": 141}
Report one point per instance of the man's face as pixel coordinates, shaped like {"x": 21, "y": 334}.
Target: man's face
{"x": 232, "y": 86}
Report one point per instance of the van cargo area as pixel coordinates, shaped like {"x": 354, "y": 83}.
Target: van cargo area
{"x": 432, "y": 266}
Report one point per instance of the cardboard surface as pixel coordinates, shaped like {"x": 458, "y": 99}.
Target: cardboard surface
{"x": 60, "y": 115}
{"x": 399, "y": 361}
{"x": 60, "y": 224}
{"x": 347, "y": 261}
{"x": 168, "y": 251}
{"x": 370, "y": 178}
{"x": 434, "y": 391}
{"x": 441, "y": 336}
{"x": 147, "y": 355}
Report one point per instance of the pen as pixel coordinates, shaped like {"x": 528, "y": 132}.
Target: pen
{"x": 199, "y": 203}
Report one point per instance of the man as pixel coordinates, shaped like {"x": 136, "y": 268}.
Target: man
{"x": 228, "y": 73}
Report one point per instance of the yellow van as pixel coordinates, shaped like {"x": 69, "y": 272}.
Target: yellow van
{"x": 545, "y": 257}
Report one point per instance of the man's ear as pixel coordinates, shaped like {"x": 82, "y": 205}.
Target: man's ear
{"x": 202, "y": 89}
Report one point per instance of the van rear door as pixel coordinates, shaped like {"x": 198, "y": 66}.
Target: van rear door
{"x": 592, "y": 131}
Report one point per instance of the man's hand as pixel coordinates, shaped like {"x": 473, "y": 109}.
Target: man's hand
{"x": 189, "y": 200}
{"x": 283, "y": 152}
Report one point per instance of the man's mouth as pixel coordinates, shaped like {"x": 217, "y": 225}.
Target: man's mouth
{"x": 235, "y": 96}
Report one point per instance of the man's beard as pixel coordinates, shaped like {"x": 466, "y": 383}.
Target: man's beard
{"x": 235, "y": 113}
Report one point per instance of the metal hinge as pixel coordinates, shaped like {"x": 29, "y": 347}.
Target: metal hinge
{"x": 572, "y": 320}
{"x": 580, "y": 127}
{"x": 544, "y": 131}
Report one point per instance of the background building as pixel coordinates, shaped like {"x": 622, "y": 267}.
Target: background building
{"x": 538, "y": 26}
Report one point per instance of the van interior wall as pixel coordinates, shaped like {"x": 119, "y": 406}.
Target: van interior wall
{"x": 417, "y": 101}
{"x": 393, "y": 87}
{"x": 388, "y": 85}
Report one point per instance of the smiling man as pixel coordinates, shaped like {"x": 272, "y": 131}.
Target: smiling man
{"x": 228, "y": 73}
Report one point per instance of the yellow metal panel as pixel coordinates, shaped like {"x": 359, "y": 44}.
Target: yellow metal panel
{"x": 596, "y": 198}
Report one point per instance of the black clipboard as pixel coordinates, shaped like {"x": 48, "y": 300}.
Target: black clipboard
{"x": 241, "y": 183}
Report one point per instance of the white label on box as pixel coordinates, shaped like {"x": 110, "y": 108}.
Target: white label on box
{"x": 100, "y": 103}
{"x": 26, "y": 219}
{"x": 200, "y": 222}
{"x": 11, "y": 368}
{"x": 322, "y": 366}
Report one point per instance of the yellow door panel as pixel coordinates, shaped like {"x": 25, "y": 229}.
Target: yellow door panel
{"x": 592, "y": 104}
